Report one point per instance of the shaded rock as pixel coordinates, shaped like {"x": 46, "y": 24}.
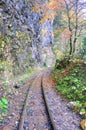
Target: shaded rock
{"x": 16, "y": 86}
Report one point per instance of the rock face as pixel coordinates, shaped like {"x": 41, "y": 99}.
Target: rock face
{"x": 28, "y": 42}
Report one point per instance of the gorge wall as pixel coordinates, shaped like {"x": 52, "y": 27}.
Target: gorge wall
{"x": 24, "y": 41}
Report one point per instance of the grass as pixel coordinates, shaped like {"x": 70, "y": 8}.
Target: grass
{"x": 72, "y": 85}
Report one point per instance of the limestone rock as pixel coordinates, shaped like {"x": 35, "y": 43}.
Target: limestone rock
{"x": 28, "y": 37}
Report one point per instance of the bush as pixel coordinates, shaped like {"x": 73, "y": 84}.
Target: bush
{"x": 60, "y": 64}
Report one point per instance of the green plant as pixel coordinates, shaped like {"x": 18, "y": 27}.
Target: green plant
{"x": 1, "y": 67}
{"x": 83, "y": 110}
{"x": 73, "y": 86}
{"x": 3, "y": 108}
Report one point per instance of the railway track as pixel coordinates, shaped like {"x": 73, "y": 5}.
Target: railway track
{"x": 44, "y": 110}
{"x": 35, "y": 115}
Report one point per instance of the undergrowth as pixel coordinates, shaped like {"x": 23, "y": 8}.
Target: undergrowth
{"x": 71, "y": 83}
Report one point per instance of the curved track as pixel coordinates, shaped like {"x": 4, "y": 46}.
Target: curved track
{"x": 44, "y": 109}
{"x": 35, "y": 114}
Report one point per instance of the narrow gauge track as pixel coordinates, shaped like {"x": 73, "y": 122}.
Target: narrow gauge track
{"x": 35, "y": 115}
{"x": 44, "y": 109}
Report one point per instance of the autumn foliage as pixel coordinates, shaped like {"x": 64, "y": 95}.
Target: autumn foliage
{"x": 49, "y": 9}
{"x": 72, "y": 17}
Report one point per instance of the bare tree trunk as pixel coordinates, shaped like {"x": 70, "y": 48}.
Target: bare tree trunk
{"x": 69, "y": 26}
{"x": 76, "y": 25}
{"x": 74, "y": 45}
{"x": 70, "y": 41}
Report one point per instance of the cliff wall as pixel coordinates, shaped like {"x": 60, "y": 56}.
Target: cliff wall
{"x": 24, "y": 40}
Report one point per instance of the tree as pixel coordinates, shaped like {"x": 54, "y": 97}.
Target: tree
{"x": 72, "y": 22}
{"x": 75, "y": 20}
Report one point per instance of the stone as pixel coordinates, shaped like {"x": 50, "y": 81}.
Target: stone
{"x": 82, "y": 113}
{"x": 72, "y": 104}
{"x": 83, "y": 124}
{"x": 16, "y": 86}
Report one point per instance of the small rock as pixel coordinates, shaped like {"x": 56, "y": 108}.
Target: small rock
{"x": 83, "y": 124}
{"x": 16, "y": 86}
{"x": 72, "y": 104}
{"x": 82, "y": 113}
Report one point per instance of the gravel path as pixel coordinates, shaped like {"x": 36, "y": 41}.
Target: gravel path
{"x": 62, "y": 117}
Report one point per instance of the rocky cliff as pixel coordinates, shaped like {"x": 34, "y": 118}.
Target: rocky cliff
{"x": 24, "y": 41}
